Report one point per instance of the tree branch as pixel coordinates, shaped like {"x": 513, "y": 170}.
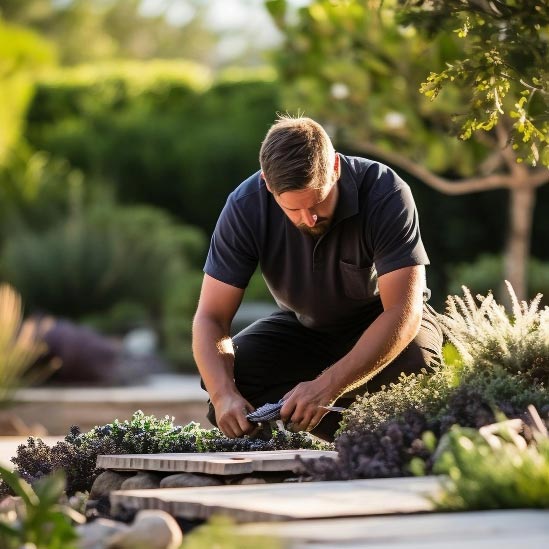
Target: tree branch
{"x": 445, "y": 186}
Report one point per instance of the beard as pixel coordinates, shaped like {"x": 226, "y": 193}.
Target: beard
{"x": 318, "y": 229}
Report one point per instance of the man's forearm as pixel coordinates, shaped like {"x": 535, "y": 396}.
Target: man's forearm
{"x": 382, "y": 342}
{"x": 214, "y": 356}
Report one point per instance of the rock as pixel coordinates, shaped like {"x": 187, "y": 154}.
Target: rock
{"x": 141, "y": 481}
{"x": 106, "y": 482}
{"x": 93, "y": 535}
{"x": 259, "y": 478}
{"x": 91, "y": 504}
{"x": 151, "y": 529}
{"x": 250, "y": 480}
{"x": 188, "y": 480}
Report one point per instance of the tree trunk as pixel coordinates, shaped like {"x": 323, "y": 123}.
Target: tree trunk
{"x": 522, "y": 200}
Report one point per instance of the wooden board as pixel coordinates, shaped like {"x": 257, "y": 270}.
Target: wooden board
{"x": 213, "y": 463}
{"x": 507, "y": 529}
{"x": 287, "y": 501}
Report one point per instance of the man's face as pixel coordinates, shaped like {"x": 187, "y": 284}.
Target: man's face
{"x": 311, "y": 210}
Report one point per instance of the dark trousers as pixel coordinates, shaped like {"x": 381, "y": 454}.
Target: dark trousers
{"x": 274, "y": 354}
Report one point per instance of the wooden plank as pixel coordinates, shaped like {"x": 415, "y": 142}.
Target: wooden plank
{"x": 287, "y": 501}
{"x": 482, "y": 529}
{"x": 213, "y": 463}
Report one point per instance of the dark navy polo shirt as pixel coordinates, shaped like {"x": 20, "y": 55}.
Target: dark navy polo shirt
{"x": 330, "y": 283}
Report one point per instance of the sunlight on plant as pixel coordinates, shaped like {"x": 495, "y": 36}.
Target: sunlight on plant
{"x": 221, "y": 533}
{"x": 486, "y": 336}
{"x": 495, "y": 468}
{"x": 19, "y": 346}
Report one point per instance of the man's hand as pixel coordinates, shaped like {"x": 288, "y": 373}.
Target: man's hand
{"x": 303, "y": 404}
{"x": 230, "y": 414}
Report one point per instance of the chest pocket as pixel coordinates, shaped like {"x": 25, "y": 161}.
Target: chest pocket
{"x": 358, "y": 282}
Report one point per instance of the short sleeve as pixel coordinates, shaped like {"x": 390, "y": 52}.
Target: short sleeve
{"x": 395, "y": 234}
{"x": 232, "y": 257}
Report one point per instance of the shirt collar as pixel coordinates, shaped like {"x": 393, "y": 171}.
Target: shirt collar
{"x": 347, "y": 204}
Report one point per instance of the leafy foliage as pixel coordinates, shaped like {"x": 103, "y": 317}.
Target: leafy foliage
{"x": 486, "y": 336}
{"x": 77, "y": 454}
{"x": 493, "y": 472}
{"x": 40, "y": 520}
{"x": 384, "y": 432}
{"x": 504, "y": 65}
{"x": 351, "y": 66}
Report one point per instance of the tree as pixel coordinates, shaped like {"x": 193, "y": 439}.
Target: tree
{"x": 359, "y": 66}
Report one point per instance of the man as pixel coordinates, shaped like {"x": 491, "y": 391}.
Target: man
{"x": 338, "y": 243}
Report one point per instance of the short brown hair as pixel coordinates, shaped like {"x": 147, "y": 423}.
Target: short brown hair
{"x": 296, "y": 154}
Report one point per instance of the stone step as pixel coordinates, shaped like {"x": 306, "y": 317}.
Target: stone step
{"x": 502, "y": 529}
{"x": 287, "y": 501}
{"x": 213, "y": 463}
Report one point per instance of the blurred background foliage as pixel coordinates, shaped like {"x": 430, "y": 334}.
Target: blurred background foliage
{"x": 125, "y": 124}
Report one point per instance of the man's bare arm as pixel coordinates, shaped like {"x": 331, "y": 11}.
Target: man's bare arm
{"x": 401, "y": 293}
{"x": 214, "y": 354}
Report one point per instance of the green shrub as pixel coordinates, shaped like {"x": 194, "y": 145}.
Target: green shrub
{"x": 35, "y": 190}
{"x": 110, "y": 255}
{"x": 489, "y": 472}
{"x": 426, "y": 393}
{"x": 115, "y": 268}
{"x": 163, "y": 140}
{"x": 486, "y": 337}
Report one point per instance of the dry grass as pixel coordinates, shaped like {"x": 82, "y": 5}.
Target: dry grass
{"x": 19, "y": 344}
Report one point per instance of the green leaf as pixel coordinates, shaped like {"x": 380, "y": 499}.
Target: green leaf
{"x": 75, "y": 516}
{"x": 277, "y": 10}
{"x": 19, "y": 486}
{"x": 49, "y": 489}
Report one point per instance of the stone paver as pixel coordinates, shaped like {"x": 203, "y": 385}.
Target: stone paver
{"x": 213, "y": 463}
{"x": 288, "y": 501}
{"x": 507, "y": 529}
